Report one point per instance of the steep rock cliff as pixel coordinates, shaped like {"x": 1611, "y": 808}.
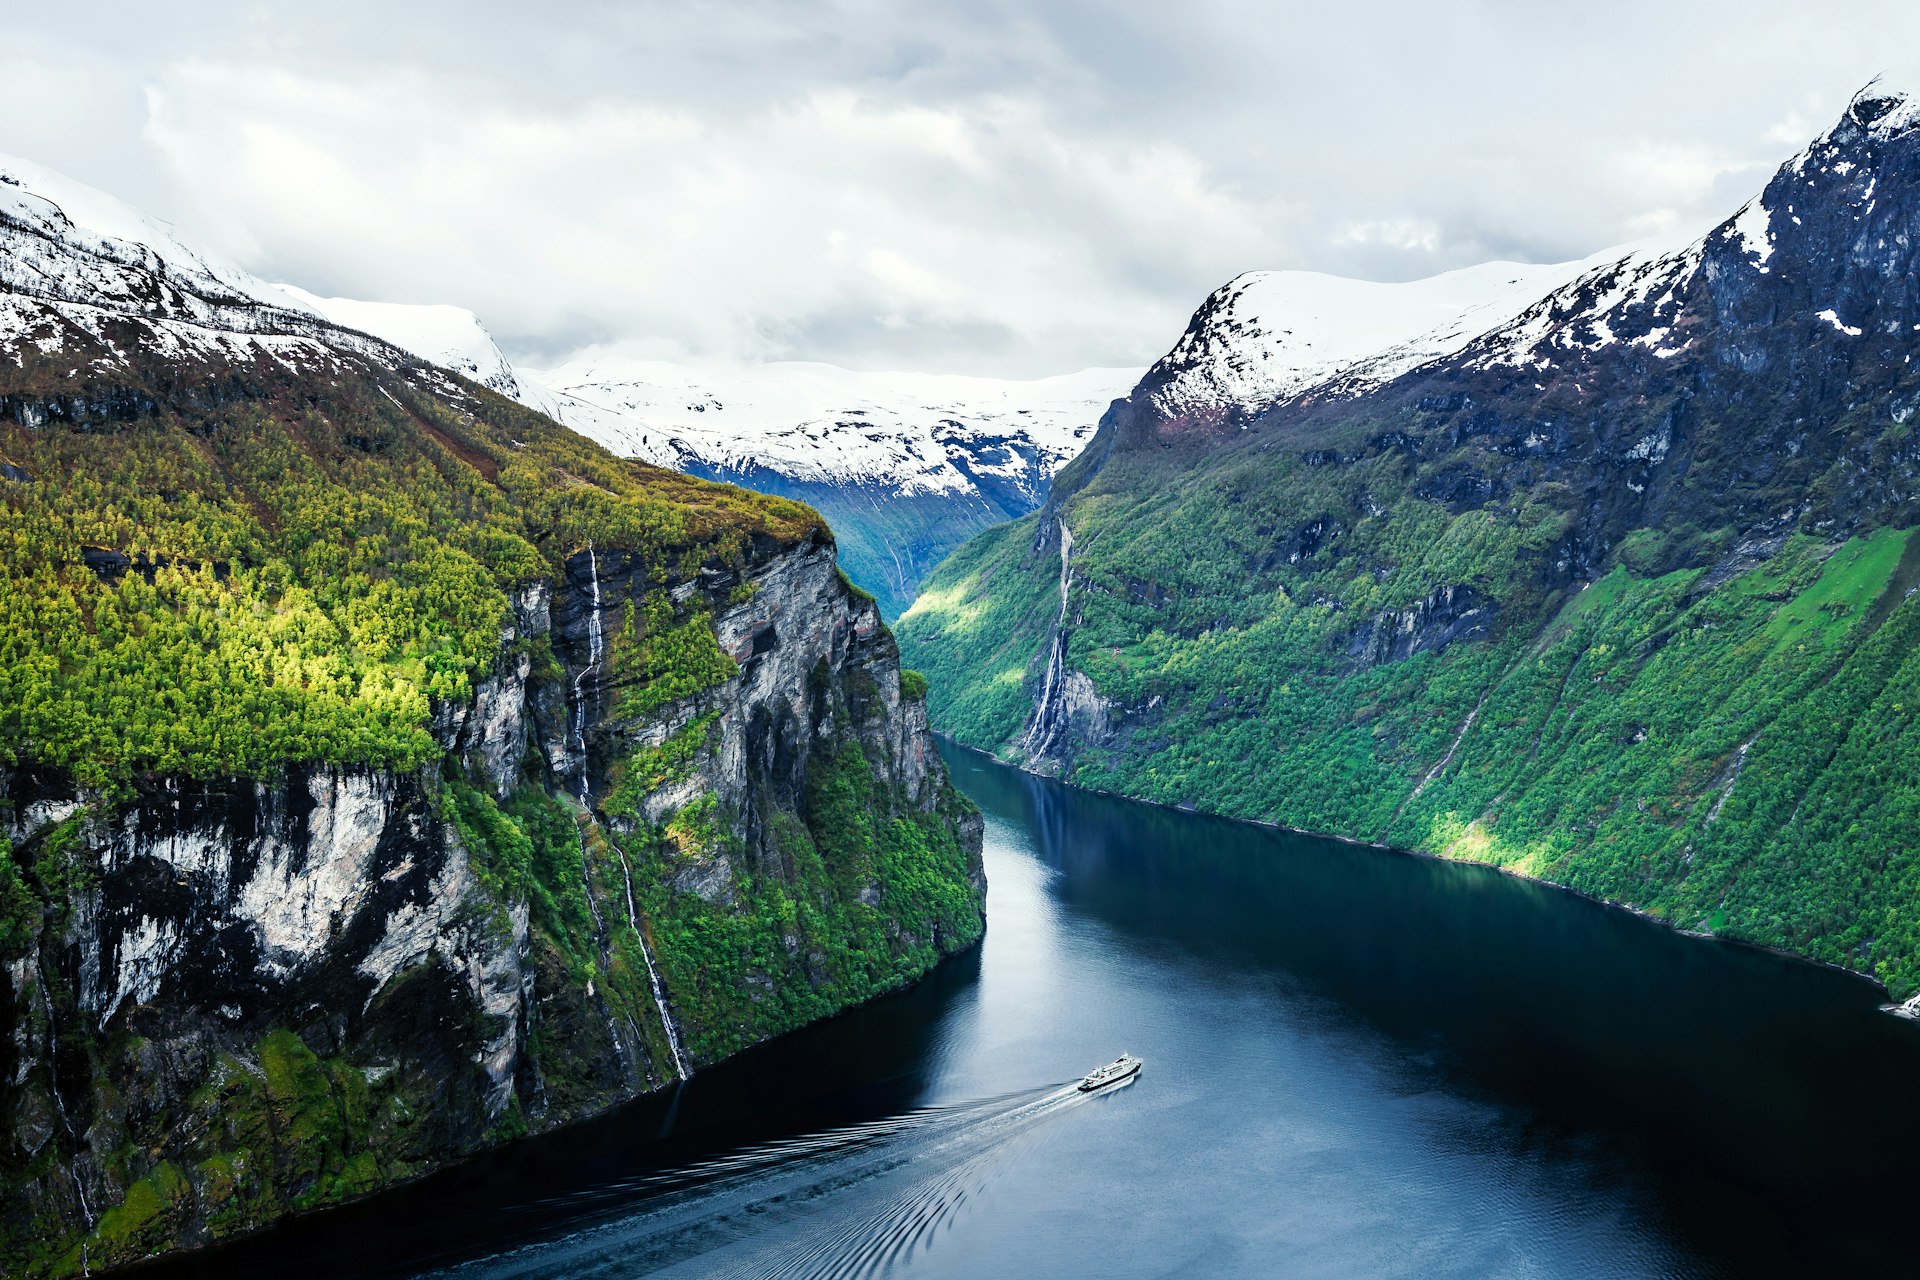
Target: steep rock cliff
{"x": 260, "y": 995}
{"x": 386, "y": 772}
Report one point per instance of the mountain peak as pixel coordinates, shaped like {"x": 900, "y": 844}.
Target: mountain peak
{"x": 1886, "y": 104}
{"x": 40, "y": 203}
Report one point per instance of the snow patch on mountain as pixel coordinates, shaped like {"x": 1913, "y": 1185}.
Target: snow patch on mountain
{"x": 1269, "y": 336}
{"x": 905, "y": 433}
{"x": 1637, "y": 295}
{"x": 451, "y": 337}
{"x": 1753, "y": 228}
{"x": 76, "y": 261}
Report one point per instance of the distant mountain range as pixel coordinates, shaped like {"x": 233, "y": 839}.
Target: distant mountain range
{"x": 905, "y": 466}
{"x": 1601, "y": 572}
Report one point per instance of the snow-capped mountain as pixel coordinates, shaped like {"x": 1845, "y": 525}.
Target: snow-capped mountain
{"x": 1270, "y": 335}
{"x": 1735, "y": 376}
{"x": 913, "y": 433}
{"x": 451, "y": 337}
{"x": 80, "y": 268}
{"x": 1831, "y": 214}
{"x": 72, "y": 257}
{"x": 904, "y": 466}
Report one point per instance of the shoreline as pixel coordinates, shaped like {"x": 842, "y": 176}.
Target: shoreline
{"x": 1906, "y": 1010}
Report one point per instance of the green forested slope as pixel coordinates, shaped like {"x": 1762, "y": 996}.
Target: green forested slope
{"x": 237, "y": 592}
{"x": 1733, "y": 758}
{"x": 1619, "y": 596}
{"x": 295, "y": 576}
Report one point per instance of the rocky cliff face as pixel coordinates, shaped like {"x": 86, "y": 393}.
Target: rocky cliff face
{"x": 262, "y": 995}
{"x": 385, "y": 770}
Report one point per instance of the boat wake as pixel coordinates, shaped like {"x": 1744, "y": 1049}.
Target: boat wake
{"x": 856, "y": 1201}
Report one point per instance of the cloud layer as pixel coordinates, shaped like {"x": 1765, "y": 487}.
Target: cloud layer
{"x": 968, "y": 187}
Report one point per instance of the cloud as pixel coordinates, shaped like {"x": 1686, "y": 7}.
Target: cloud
{"x": 976, "y": 186}
{"x": 876, "y": 230}
{"x": 1393, "y": 233}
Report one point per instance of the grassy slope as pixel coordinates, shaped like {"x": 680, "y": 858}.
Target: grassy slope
{"x": 1605, "y": 749}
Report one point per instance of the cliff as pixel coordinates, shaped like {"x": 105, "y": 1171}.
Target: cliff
{"x": 386, "y": 772}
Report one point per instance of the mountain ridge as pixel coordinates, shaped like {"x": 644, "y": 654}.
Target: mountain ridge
{"x": 1616, "y": 594}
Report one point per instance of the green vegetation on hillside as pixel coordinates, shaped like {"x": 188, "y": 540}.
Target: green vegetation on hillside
{"x": 320, "y": 567}
{"x": 303, "y": 573}
{"x": 872, "y": 892}
{"x": 1731, "y": 755}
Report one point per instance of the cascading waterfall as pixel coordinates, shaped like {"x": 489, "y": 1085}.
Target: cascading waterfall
{"x": 1039, "y": 733}
{"x": 653, "y": 975}
{"x": 60, "y": 1105}
{"x": 599, "y": 933}
{"x": 596, "y": 647}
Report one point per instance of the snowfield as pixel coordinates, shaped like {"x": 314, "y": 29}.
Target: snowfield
{"x": 451, "y": 337}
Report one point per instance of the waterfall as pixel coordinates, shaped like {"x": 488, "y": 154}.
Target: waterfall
{"x": 1038, "y": 734}
{"x": 60, "y": 1105}
{"x": 653, "y": 974}
{"x": 596, "y": 648}
{"x": 596, "y": 651}
{"x": 600, "y": 936}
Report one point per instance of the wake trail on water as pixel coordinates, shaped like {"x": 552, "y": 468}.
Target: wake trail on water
{"x": 861, "y": 1200}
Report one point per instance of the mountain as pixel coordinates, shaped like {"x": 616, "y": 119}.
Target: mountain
{"x": 1267, "y": 336}
{"x": 1616, "y": 592}
{"x": 451, "y": 337}
{"x": 386, "y": 771}
{"x": 905, "y": 466}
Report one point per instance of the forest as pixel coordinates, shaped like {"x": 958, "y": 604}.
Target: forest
{"x": 1710, "y": 729}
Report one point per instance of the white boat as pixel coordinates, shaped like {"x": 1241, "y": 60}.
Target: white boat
{"x": 1124, "y": 1067}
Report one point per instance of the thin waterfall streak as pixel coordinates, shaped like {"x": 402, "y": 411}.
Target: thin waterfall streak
{"x": 1038, "y": 733}
{"x": 596, "y": 648}
{"x": 653, "y": 974}
{"x": 60, "y": 1105}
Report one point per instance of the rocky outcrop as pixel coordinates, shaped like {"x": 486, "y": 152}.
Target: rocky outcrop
{"x": 1448, "y": 614}
{"x": 254, "y": 996}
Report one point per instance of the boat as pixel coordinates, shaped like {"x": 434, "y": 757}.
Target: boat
{"x": 1124, "y": 1067}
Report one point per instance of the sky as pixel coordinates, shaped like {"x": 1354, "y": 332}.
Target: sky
{"x": 967, "y": 187}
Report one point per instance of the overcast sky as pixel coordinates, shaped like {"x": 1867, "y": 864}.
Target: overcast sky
{"x": 968, "y": 186}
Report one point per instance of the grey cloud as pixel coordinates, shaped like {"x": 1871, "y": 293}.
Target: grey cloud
{"x": 976, "y": 186}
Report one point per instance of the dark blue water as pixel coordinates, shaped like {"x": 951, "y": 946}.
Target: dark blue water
{"x": 1358, "y": 1063}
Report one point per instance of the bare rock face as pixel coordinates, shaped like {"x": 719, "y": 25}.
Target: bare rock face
{"x": 262, "y": 996}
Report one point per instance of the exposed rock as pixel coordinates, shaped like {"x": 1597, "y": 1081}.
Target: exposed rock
{"x": 210, "y": 919}
{"x": 1447, "y": 614}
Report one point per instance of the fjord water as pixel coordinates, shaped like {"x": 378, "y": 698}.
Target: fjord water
{"x": 1358, "y": 1063}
